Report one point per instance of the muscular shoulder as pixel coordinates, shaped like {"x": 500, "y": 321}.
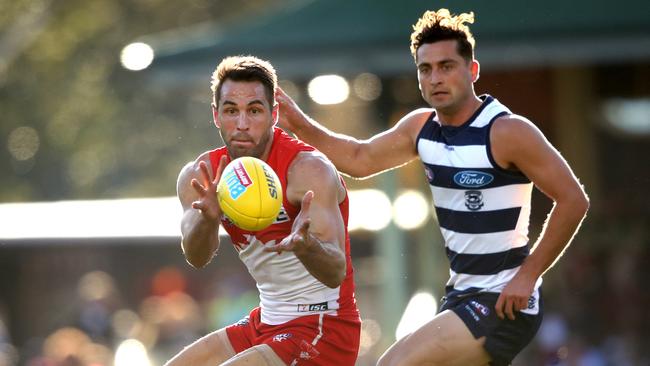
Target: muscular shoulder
{"x": 311, "y": 170}
{"x": 513, "y": 129}
{"x": 190, "y": 171}
{"x": 511, "y": 136}
{"x": 414, "y": 120}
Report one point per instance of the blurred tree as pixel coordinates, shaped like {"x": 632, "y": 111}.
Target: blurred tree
{"x": 74, "y": 123}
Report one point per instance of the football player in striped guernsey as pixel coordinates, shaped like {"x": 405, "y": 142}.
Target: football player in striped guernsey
{"x": 481, "y": 161}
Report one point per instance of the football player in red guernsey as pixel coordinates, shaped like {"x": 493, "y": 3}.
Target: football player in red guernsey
{"x": 301, "y": 263}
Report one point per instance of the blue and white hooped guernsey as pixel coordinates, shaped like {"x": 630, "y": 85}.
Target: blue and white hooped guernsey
{"x": 483, "y": 210}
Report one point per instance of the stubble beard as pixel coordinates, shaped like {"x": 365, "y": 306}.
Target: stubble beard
{"x": 256, "y": 151}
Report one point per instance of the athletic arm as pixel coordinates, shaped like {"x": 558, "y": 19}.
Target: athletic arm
{"x": 318, "y": 232}
{"x": 518, "y": 144}
{"x": 356, "y": 158}
{"x": 196, "y": 189}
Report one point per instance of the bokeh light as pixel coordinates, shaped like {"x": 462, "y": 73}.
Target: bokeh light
{"x": 291, "y": 89}
{"x": 367, "y": 86}
{"x": 136, "y": 56}
{"x": 328, "y": 89}
{"x": 628, "y": 115}
{"x": 23, "y": 143}
{"x": 410, "y": 210}
{"x": 131, "y": 352}
{"x": 420, "y": 309}
{"x": 126, "y": 323}
{"x": 370, "y": 209}
{"x": 95, "y": 285}
{"x": 370, "y": 335}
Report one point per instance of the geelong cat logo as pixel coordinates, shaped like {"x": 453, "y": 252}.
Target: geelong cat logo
{"x": 472, "y": 179}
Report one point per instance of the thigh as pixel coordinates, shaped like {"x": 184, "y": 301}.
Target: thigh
{"x": 445, "y": 340}
{"x": 315, "y": 340}
{"x": 261, "y": 355}
{"x": 212, "y": 349}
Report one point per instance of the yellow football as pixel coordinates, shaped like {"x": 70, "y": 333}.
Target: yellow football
{"x": 250, "y": 193}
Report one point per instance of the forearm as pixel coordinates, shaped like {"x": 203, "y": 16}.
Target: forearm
{"x": 560, "y": 227}
{"x": 200, "y": 241}
{"x": 325, "y": 261}
{"x": 341, "y": 149}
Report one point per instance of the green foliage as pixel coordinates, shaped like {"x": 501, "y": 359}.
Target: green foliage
{"x": 102, "y": 131}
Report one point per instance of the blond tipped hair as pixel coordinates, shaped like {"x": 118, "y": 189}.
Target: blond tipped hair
{"x": 441, "y": 25}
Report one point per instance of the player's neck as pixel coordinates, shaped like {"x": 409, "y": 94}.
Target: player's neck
{"x": 267, "y": 150}
{"x": 460, "y": 114}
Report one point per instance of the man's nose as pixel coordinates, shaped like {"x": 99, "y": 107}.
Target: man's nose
{"x": 242, "y": 122}
{"x": 434, "y": 77}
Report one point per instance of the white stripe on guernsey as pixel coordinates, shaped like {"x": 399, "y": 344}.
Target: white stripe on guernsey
{"x": 495, "y": 283}
{"x": 489, "y": 112}
{"x": 484, "y": 243}
{"x": 496, "y": 198}
{"x": 432, "y": 152}
{"x": 491, "y": 283}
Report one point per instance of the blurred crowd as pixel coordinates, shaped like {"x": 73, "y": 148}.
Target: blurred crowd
{"x": 595, "y": 302}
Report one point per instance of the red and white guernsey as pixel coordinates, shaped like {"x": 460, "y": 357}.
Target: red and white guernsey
{"x": 287, "y": 290}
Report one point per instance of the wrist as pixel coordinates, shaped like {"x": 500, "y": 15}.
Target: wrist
{"x": 309, "y": 244}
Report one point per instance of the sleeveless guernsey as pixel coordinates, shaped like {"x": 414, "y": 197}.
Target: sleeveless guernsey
{"x": 287, "y": 290}
{"x": 483, "y": 210}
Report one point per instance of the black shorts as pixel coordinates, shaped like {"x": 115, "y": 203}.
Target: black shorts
{"x": 504, "y": 338}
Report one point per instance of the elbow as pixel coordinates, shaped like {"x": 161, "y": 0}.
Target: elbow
{"x": 336, "y": 279}
{"x": 334, "y": 282}
{"x": 197, "y": 258}
{"x": 359, "y": 171}
{"x": 197, "y": 263}
{"x": 586, "y": 204}
{"x": 582, "y": 203}
{"x": 576, "y": 204}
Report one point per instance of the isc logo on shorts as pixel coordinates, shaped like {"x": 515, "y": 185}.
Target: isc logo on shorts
{"x": 303, "y": 308}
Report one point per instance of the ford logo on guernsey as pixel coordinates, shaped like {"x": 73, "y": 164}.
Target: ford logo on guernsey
{"x": 472, "y": 179}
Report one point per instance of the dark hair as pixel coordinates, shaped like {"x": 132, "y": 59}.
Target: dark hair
{"x": 441, "y": 26}
{"x": 244, "y": 68}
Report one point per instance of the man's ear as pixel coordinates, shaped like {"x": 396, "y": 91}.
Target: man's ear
{"x": 476, "y": 69}
{"x": 215, "y": 115}
{"x": 275, "y": 113}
